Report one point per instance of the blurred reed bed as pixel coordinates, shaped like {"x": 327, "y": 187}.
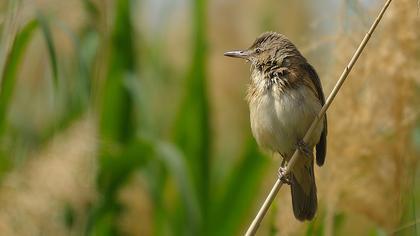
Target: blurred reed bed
{"x": 50, "y": 194}
{"x": 376, "y": 149}
{"x": 113, "y": 125}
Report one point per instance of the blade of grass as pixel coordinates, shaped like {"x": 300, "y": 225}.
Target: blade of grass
{"x": 175, "y": 163}
{"x": 169, "y": 167}
{"x": 114, "y": 171}
{"x": 13, "y": 63}
{"x": 116, "y": 112}
{"x": 192, "y": 130}
{"x": 91, "y": 8}
{"x": 120, "y": 154}
{"x": 233, "y": 207}
{"x": 9, "y": 28}
{"x": 46, "y": 30}
{"x": 75, "y": 87}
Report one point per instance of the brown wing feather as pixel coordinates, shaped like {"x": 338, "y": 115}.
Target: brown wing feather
{"x": 321, "y": 147}
{"x": 291, "y": 76}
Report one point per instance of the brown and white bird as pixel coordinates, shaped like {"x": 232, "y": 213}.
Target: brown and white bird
{"x": 284, "y": 96}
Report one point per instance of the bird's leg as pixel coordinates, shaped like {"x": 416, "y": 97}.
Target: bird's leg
{"x": 285, "y": 178}
{"x": 303, "y": 148}
{"x": 283, "y": 162}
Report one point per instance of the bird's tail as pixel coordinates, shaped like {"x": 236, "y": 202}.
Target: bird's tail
{"x": 304, "y": 202}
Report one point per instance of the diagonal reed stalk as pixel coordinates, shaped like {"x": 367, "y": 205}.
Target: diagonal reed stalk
{"x": 266, "y": 205}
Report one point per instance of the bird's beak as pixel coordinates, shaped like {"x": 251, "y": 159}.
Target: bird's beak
{"x": 237, "y": 54}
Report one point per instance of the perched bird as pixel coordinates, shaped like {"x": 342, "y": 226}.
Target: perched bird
{"x": 284, "y": 96}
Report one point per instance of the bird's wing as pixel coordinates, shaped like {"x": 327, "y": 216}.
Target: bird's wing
{"x": 293, "y": 75}
{"x": 321, "y": 147}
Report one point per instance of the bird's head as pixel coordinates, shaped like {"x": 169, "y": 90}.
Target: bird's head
{"x": 268, "y": 48}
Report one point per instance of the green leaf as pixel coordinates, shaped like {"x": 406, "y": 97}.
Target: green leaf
{"x": 120, "y": 153}
{"x": 50, "y": 46}
{"x": 316, "y": 227}
{"x": 233, "y": 208}
{"x": 116, "y": 167}
{"x": 175, "y": 163}
{"x": 5, "y": 163}
{"x": 117, "y": 111}
{"x": 13, "y": 62}
{"x": 192, "y": 130}
{"x": 91, "y": 8}
{"x": 377, "y": 232}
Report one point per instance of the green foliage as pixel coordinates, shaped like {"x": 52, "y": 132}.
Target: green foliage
{"x": 120, "y": 153}
{"x": 239, "y": 193}
{"x": 50, "y": 46}
{"x": 69, "y": 216}
{"x": 316, "y": 227}
{"x": 192, "y": 132}
{"x": 10, "y": 72}
{"x": 116, "y": 108}
{"x": 127, "y": 145}
{"x": 377, "y": 232}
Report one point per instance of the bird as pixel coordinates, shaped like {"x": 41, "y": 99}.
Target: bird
{"x": 285, "y": 95}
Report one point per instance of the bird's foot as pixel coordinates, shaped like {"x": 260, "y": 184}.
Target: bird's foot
{"x": 283, "y": 176}
{"x": 304, "y": 148}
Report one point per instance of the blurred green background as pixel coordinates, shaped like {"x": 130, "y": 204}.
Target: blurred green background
{"x": 122, "y": 117}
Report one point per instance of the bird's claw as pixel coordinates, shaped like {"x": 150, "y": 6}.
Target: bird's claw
{"x": 304, "y": 148}
{"x": 285, "y": 178}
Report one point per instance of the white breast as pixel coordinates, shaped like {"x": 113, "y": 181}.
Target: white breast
{"x": 279, "y": 120}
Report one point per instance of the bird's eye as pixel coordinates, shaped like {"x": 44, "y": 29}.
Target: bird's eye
{"x": 257, "y": 50}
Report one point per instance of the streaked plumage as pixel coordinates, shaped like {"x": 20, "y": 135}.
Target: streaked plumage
{"x": 284, "y": 96}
